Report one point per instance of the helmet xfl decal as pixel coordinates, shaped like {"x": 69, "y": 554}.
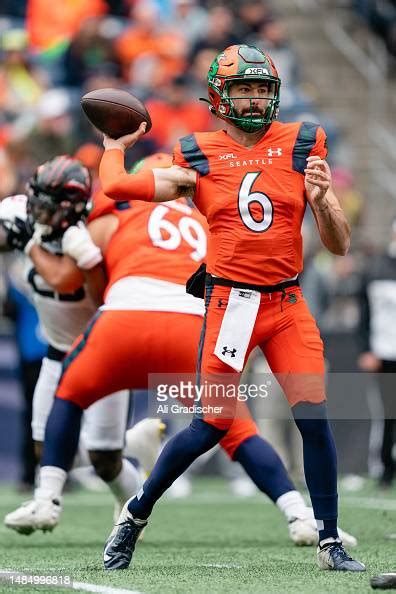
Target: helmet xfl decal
{"x": 240, "y": 63}
{"x": 260, "y": 71}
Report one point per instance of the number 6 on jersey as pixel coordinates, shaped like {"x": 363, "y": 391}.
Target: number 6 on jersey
{"x": 246, "y": 198}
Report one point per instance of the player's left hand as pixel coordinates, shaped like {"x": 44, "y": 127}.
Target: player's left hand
{"x": 317, "y": 179}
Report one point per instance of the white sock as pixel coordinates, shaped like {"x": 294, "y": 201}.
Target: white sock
{"x": 127, "y": 483}
{"x": 329, "y": 540}
{"x": 51, "y": 482}
{"x": 292, "y": 505}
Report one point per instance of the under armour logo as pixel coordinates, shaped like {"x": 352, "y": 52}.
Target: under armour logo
{"x": 274, "y": 152}
{"x": 220, "y": 303}
{"x": 227, "y": 351}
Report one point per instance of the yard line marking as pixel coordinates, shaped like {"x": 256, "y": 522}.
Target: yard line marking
{"x": 221, "y": 565}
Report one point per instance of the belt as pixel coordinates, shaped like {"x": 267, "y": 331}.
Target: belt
{"x": 225, "y": 282}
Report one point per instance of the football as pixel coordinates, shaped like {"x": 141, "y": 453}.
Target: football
{"x": 114, "y": 111}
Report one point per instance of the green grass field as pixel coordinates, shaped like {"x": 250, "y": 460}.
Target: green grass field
{"x": 210, "y": 543}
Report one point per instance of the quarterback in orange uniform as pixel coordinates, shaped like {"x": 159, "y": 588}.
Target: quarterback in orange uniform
{"x": 252, "y": 181}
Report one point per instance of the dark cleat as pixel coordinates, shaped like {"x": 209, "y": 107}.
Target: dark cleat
{"x": 332, "y": 555}
{"x": 121, "y": 543}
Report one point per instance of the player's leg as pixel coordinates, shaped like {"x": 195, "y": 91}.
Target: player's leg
{"x": 181, "y": 450}
{"x": 40, "y": 513}
{"x": 387, "y": 393}
{"x": 203, "y": 433}
{"x": 104, "y": 423}
{"x": 261, "y": 462}
{"x": 120, "y": 363}
{"x": 243, "y": 444}
{"x": 97, "y": 365}
{"x": 43, "y": 511}
{"x": 103, "y": 436}
{"x": 295, "y": 354}
{"x": 50, "y": 372}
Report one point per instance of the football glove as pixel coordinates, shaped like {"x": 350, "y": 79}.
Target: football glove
{"x": 77, "y": 243}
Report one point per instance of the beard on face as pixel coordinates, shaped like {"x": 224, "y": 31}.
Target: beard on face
{"x": 255, "y": 112}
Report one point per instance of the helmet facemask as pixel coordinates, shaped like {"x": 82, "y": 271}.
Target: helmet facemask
{"x": 251, "y": 122}
{"x": 55, "y": 216}
{"x": 57, "y": 200}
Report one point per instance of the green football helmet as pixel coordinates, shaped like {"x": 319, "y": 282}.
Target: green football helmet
{"x": 239, "y": 63}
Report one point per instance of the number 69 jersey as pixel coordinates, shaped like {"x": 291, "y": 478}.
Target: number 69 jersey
{"x": 253, "y": 199}
{"x": 151, "y": 255}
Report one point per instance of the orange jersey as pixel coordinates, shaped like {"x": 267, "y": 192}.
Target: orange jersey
{"x": 253, "y": 199}
{"x": 101, "y": 205}
{"x": 161, "y": 241}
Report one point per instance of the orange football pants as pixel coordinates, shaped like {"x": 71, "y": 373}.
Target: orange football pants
{"x": 120, "y": 348}
{"x": 288, "y": 336}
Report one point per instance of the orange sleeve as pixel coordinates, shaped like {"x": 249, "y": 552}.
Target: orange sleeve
{"x": 320, "y": 147}
{"x": 120, "y": 185}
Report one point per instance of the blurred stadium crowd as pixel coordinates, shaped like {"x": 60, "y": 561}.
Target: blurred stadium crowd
{"x": 381, "y": 17}
{"x": 160, "y": 50}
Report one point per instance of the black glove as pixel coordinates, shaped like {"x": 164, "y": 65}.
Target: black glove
{"x": 19, "y": 233}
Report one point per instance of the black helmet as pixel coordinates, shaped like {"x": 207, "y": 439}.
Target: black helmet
{"x": 58, "y": 194}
